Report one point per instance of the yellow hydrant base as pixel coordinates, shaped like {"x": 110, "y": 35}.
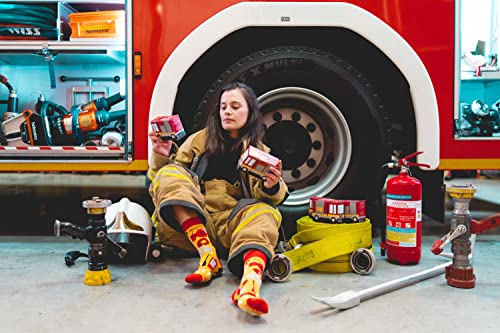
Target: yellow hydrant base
{"x": 97, "y": 278}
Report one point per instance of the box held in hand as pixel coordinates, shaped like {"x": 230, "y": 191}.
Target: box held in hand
{"x": 168, "y": 127}
{"x": 257, "y": 162}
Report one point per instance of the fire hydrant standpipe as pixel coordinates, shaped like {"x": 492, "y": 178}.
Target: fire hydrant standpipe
{"x": 460, "y": 273}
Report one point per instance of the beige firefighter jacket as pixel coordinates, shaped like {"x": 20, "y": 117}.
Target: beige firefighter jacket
{"x": 194, "y": 147}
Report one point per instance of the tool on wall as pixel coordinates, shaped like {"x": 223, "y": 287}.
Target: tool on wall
{"x": 12, "y": 101}
{"x": 100, "y": 243}
{"x": 403, "y": 234}
{"x": 460, "y": 273}
{"x": 475, "y": 61}
{"x": 17, "y": 131}
{"x": 12, "y": 104}
{"x": 477, "y": 119}
{"x": 90, "y": 91}
{"x": 53, "y": 125}
{"x": 49, "y": 58}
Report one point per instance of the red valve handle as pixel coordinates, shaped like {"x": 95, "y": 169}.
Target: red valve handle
{"x": 435, "y": 248}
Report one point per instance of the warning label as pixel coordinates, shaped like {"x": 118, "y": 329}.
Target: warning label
{"x": 402, "y": 219}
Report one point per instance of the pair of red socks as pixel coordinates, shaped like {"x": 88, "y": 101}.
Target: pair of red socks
{"x": 247, "y": 295}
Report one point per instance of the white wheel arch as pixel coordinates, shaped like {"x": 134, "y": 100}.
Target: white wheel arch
{"x": 261, "y": 14}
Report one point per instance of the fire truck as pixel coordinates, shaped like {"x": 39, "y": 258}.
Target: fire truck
{"x": 337, "y": 211}
{"x": 344, "y": 86}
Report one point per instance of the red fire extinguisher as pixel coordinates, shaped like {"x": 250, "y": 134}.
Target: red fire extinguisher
{"x": 403, "y": 234}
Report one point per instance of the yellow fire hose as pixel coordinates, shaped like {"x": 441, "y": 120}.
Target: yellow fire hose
{"x": 324, "y": 247}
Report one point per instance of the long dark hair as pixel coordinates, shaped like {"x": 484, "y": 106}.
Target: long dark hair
{"x": 252, "y": 132}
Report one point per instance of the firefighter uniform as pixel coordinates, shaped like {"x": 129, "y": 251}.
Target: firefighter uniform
{"x": 238, "y": 216}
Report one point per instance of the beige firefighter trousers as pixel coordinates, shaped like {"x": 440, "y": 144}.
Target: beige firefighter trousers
{"x": 233, "y": 224}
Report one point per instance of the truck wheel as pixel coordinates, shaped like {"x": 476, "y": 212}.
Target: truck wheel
{"x": 323, "y": 119}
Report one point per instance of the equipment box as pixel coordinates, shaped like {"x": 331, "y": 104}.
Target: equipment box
{"x": 102, "y": 24}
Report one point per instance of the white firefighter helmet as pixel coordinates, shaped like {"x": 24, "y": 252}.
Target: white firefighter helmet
{"x": 130, "y": 225}
{"x": 479, "y": 108}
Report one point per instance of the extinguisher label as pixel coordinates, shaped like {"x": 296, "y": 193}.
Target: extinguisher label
{"x": 402, "y": 219}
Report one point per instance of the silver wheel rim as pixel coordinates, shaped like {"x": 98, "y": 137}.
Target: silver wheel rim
{"x": 313, "y": 138}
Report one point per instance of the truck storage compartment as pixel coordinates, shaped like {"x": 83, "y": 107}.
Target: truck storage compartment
{"x": 64, "y": 97}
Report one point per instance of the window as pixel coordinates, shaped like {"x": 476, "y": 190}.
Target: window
{"x": 478, "y": 107}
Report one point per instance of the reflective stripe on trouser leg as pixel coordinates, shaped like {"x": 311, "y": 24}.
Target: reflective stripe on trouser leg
{"x": 254, "y": 227}
{"x": 174, "y": 185}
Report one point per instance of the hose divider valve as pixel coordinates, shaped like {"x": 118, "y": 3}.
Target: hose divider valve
{"x": 100, "y": 244}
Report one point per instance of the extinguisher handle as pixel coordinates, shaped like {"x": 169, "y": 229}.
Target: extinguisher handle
{"x": 418, "y": 164}
{"x": 405, "y": 160}
{"x": 411, "y": 155}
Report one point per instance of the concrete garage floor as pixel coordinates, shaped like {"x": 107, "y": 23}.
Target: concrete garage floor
{"x": 38, "y": 293}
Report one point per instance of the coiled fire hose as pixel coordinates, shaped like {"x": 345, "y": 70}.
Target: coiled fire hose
{"x": 30, "y": 14}
{"x": 325, "y": 247}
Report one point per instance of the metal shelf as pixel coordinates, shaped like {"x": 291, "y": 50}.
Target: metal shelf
{"x": 61, "y": 151}
{"x": 26, "y": 53}
{"x": 485, "y": 76}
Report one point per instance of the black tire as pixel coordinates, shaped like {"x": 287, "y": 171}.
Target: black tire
{"x": 323, "y": 118}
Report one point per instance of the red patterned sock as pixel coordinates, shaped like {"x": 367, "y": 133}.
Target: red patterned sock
{"x": 247, "y": 296}
{"x": 209, "y": 265}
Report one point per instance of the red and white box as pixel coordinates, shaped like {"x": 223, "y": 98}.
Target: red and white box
{"x": 168, "y": 127}
{"x": 257, "y": 162}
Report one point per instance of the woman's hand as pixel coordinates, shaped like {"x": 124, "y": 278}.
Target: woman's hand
{"x": 273, "y": 176}
{"x": 160, "y": 146}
